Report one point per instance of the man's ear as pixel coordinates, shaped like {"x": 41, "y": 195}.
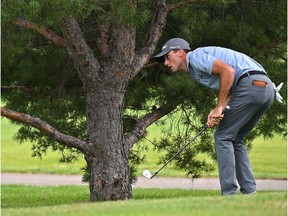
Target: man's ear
{"x": 180, "y": 52}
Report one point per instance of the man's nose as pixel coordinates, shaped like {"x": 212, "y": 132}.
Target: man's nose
{"x": 166, "y": 62}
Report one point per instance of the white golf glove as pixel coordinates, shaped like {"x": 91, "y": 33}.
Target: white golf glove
{"x": 278, "y": 97}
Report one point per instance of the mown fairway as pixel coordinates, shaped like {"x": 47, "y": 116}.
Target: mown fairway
{"x": 73, "y": 200}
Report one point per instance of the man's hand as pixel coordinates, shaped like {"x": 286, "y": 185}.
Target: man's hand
{"x": 215, "y": 116}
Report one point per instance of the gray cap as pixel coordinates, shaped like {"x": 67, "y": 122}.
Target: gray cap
{"x": 172, "y": 44}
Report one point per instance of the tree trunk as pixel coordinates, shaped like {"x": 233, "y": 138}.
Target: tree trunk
{"x": 104, "y": 83}
{"x": 108, "y": 162}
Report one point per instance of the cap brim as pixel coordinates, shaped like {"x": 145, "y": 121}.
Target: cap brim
{"x": 160, "y": 57}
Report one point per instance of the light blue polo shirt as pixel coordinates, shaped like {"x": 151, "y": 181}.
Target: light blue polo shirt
{"x": 200, "y": 62}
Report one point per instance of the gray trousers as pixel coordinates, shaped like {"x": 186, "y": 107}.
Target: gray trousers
{"x": 247, "y": 104}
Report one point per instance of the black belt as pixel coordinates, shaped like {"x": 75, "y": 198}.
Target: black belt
{"x": 251, "y": 73}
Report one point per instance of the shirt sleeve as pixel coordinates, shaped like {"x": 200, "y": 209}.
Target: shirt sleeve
{"x": 202, "y": 60}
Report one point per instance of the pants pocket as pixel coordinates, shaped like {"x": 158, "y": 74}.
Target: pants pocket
{"x": 258, "y": 94}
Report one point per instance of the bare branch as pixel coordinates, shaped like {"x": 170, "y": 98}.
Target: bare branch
{"x": 141, "y": 126}
{"x": 52, "y": 36}
{"x": 150, "y": 65}
{"x": 41, "y": 125}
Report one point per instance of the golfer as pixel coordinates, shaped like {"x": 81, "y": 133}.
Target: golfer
{"x": 243, "y": 85}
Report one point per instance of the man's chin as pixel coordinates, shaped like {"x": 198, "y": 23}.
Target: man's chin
{"x": 173, "y": 70}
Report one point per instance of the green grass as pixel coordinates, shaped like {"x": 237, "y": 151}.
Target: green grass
{"x": 73, "y": 200}
{"x": 268, "y": 157}
{"x": 17, "y": 157}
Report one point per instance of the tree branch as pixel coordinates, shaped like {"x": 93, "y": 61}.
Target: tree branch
{"x": 82, "y": 55}
{"x": 141, "y": 126}
{"x": 58, "y": 41}
{"x": 37, "y": 123}
{"x": 149, "y": 43}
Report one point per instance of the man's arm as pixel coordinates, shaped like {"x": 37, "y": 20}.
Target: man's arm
{"x": 226, "y": 73}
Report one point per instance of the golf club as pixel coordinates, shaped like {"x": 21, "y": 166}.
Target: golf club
{"x": 148, "y": 174}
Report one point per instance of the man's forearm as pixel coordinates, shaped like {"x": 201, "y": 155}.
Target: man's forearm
{"x": 226, "y": 82}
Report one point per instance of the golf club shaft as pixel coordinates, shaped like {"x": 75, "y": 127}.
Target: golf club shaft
{"x": 180, "y": 150}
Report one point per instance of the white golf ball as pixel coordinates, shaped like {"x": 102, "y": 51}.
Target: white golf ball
{"x": 147, "y": 174}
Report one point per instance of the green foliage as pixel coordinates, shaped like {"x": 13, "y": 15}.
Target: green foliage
{"x": 129, "y": 12}
{"x": 136, "y": 158}
{"x": 50, "y": 12}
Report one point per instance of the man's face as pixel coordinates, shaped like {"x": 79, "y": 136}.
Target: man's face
{"x": 173, "y": 61}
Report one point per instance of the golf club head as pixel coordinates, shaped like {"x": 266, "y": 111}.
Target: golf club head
{"x": 147, "y": 174}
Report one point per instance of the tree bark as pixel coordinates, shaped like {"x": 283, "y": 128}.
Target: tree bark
{"x": 108, "y": 162}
